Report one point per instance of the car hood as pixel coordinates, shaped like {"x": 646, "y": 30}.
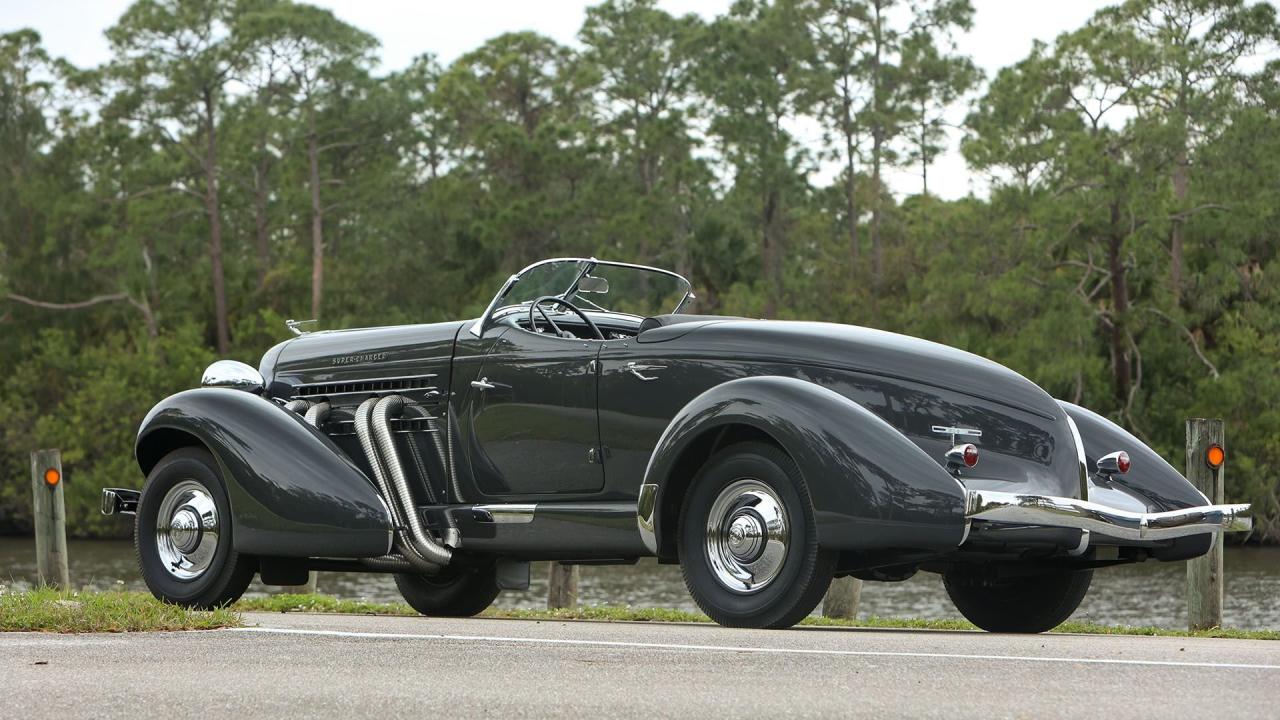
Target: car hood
{"x": 362, "y": 353}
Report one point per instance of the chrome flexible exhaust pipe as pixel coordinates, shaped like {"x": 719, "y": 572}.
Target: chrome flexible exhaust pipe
{"x": 421, "y": 466}
{"x": 419, "y": 539}
{"x": 317, "y": 413}
{"x": 298, "y": 406}
{"x": 394, "y": 563}
{"x": 450, "y": 443}
{"x": 403, "y": 543}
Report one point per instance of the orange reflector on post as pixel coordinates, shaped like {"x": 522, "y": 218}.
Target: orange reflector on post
{"x": 52, "y": 476}
{"x": 1214, "y": 456}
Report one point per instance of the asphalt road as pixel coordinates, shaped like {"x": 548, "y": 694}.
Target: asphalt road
{"x": 321, "y": 666}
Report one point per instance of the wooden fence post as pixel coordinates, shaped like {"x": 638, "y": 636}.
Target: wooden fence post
{"x": 49, "y": 511}
{"x": 562, "y": 586}
{"x": 841, "y": 600}
{"x": 1204, "y": 574}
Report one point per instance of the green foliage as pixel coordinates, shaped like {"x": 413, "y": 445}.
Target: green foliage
{"x": 47, "y": 610}
{"x": 239, "y": 162}
{"x": 87, "y": 401}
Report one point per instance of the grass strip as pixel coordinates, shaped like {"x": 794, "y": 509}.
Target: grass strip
{"x": 55, "y": 611}
{"x": 617, "y": 613}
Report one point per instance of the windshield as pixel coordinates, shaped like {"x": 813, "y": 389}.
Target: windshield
{"x": 594, "y": 285}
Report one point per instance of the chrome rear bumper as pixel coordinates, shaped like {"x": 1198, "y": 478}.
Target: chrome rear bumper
{"x": 1048, "y": 511}
{"x": 120, "y": 501}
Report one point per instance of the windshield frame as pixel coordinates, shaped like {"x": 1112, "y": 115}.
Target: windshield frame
{"x": 587, "y": 265}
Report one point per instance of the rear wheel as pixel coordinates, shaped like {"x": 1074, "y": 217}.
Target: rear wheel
{"x": 182, "y": 534}
{"x": 455, "y": 592}
{"x": 748, "y": 543}
{"x": 1031, "y": 604}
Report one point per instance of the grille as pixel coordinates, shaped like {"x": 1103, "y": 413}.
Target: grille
{"x": 364, "y": 387}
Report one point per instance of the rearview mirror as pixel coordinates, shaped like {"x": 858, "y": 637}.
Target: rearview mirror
{"x": 589, "y": 284}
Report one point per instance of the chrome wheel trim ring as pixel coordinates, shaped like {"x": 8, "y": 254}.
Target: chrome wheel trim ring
{"x": 747, "y": 536}
{"x": 187, "y": 530}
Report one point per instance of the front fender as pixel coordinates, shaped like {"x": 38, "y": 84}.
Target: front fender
{"x": 871, "y": 487}
{"x": 293, "y": 493}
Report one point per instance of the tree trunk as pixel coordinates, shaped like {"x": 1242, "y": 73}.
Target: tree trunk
{"x": 214, "y": 211}
{"x": 771, "y": 255}
{"x": 924, "y": 149}
{"x": 317, "y": 225}
{"x": 850, "y": 196}
{"x": 261, "y": 227}
{"x": 1121, "y": 379}
{"x": 1180, "y": 183}
{"x": 877, "y": 149}
{"x": 877, "y": 248}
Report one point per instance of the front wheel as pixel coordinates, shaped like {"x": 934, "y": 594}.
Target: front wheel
{"x": 182, "y": 534}
{"x": 1031, "y": 604}
{"x": 748, "y": 542}
{"x": 455, "y": 592}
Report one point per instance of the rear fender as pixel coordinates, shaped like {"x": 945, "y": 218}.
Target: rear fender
{"x": 1160, "y": 485}
{"x": 1151, "y": 485}
{"x": 871, "y": 487}
{"x": 293, "y": 493}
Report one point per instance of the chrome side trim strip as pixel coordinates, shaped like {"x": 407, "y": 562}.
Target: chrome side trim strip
{"x": 646, "y": 512}
{"x": 1049, "y": 511}
{"x": 1084, "y": 462}
{"x": 506, "y": 513}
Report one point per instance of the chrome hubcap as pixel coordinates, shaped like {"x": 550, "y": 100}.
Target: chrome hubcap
{"x": 747, "y": 536}
{"x": 187, "y": 530}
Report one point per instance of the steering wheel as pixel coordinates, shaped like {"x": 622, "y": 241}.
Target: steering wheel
{"x": 565, "y": 303}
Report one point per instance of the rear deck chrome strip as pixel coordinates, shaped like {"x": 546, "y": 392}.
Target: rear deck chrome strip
{"x": 1049, "y": 511}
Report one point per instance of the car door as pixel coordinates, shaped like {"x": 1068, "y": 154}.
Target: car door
{"x": 642, "y": 387}
{"x": 529, "y": 413}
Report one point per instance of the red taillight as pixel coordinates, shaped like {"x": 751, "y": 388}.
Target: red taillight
{"x": 962, "y": 455}
{"x": 1122, "y": 461}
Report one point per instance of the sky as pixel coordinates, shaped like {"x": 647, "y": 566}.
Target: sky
{"x": 1003, "y": 33}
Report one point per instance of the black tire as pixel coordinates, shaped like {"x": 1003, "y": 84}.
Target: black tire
{"x": 806, "y": 569}
{"x": 1032, "y": 604}
{"x": 228, "y": 573}
{"x": 456, "y": 592}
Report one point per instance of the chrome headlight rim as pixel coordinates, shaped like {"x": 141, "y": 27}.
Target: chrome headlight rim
{"x": 234, "y": 375}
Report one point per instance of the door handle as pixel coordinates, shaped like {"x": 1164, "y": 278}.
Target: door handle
{"x": 639, "y": 370}
{"x": 482, "y": 384}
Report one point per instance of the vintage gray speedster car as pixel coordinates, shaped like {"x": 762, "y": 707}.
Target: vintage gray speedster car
{"x": 584, "y": 419}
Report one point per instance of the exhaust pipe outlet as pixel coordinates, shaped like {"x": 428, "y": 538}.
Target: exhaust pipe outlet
{"x": 403, "y": 542}
{"x": 420, "y": 541}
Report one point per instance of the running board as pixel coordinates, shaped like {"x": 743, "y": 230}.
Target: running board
{"x": 574, "y": 530}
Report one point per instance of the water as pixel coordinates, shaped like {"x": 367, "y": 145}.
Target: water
{"x": 1150, "y": 593}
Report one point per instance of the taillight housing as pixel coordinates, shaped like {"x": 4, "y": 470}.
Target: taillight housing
{"x": 1116, "y": 463}
{"x": 965, "y": 455}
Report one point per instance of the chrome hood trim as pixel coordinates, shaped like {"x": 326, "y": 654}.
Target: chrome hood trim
{"x": 1048, "y": 511}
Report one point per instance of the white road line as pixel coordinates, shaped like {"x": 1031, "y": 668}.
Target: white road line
{"x": 733, "y": 648}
